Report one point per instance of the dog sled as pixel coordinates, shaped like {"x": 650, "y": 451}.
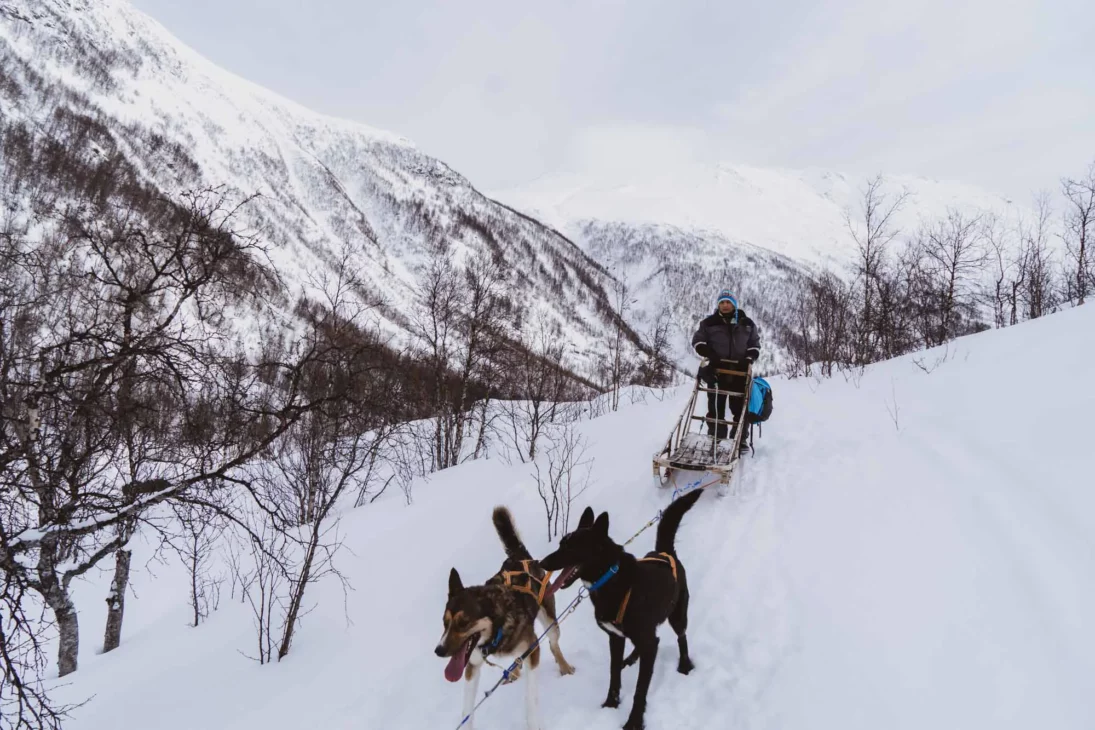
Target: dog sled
{"x": 691, "y": 449}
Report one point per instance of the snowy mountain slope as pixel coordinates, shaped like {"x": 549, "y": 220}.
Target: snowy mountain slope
{"x": 906, "y": 550}
{"x": 103, "y": 81}
{"x": 798, "y": 214}
{"x": 678, "y": 233}
{"x": 677, "y": 273}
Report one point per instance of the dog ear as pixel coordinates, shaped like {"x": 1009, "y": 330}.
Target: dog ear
{"x": 586, "y": 520}
{"x": 601, "y": 525}
{"x": 455, "y": 586}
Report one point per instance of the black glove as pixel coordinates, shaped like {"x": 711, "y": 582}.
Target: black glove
{"x": 704, "y": 350}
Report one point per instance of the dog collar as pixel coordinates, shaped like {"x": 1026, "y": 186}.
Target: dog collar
{"x": 489, "y": 648}
{"x": 605, "y": 578}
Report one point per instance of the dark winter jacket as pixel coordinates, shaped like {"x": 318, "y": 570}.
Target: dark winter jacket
{"x": 720, "y": 337}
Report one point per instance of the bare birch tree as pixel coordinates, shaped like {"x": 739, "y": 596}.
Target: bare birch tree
{"x": 872, "y": 232}
{"x": 1038, "y": 290}
{"x": 616, "y": 368}
{"x": 1080, "y": 233}
{"x": 113, "y": 317}
{"x": 458, "y": 325}
{"x": 537, "y": 384}
{"x": 955, "y": 254}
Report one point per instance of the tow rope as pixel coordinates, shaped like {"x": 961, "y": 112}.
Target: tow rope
{"x": 583, "y": 592}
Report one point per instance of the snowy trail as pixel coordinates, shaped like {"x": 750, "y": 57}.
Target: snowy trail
{"x": 938, "y": 573}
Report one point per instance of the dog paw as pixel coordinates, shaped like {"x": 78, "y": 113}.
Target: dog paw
{"x": 633, "y": 724}
{"x": 565, "y": 669}
{"x": 685, "y": 666}
{"x": 612, "y": 701}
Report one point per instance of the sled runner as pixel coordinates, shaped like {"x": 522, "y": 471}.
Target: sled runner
{"x": 693, "y": 449}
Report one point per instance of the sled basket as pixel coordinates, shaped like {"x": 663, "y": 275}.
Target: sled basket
{"x": 687, "y": 449}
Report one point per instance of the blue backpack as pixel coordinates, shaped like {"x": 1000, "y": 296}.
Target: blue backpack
{"x": 760, "y": 401}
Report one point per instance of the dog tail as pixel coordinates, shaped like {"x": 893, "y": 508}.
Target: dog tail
{"x": 503, "y": 523}
{"x": 671, "y": 520}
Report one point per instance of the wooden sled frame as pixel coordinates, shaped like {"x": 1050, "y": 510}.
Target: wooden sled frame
{"x": 681, "y": 451}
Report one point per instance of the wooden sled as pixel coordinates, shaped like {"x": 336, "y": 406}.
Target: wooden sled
{"x": 697, "y": 451}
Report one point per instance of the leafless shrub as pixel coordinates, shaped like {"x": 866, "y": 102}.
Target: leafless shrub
{"x": 928, "y": 366}
{"x": 195, "y": 541}
{"x": 657, "y": 370}
{"x": 565, "y": 477}
{"x": 537, "y": 385}
{"x": 259, "y": 561}
{"x": 893, "y": 408}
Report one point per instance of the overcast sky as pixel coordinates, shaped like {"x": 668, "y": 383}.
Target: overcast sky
{"x": 993, "y": 92}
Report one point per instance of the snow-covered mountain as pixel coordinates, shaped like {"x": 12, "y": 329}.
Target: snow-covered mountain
{"x": 798, "y": 214}
{"x": 676, "y": 273}
{"x": 105, "y": 82}
{"x": 102, "y": 81}
{"x": 678, "y": 233}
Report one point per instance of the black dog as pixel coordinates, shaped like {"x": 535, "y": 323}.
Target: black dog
{"x": 631, "y": 597}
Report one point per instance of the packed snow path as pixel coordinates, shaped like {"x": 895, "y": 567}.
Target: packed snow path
{"x": 906, "y": 550}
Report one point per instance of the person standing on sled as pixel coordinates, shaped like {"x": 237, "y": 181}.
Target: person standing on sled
{"x": 729, "y": 340}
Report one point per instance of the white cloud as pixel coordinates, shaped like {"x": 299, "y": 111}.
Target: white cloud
{"x": 616, "y": 149}
{"x": 994, "y": 92}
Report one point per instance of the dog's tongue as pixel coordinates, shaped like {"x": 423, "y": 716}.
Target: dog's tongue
{"x": 454, "y": 670}
{"x": 563, "y": 578}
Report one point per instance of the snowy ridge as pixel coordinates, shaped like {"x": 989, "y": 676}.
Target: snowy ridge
{"x": 798, "y": 214}
{"x": 679, "y": 233}
{"x": 678, "y": 273}
{"x": 324, "y": 184}
{"x": 902, "y": 552}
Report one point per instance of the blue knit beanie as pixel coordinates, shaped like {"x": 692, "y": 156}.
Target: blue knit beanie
{"x": 727, "y": 296}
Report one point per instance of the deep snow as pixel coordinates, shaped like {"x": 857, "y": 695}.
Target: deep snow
{"x": 905, "y": 550}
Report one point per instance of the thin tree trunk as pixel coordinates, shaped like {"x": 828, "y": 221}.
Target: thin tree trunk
{"x": 54, "y": 592}
{"x": 1081, "y": 266}
{"x": 298, "y": 591}
{"x": 481, "y": 439}
{"x": 194, "y": 568}
{"x": 68, "y": 627}
{"x": 115, "y": 600}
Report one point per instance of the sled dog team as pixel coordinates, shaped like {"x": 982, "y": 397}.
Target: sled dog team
{"x": 631, "y": 597}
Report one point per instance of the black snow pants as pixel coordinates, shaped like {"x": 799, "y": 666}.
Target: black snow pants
{"x": 716, "y": 404}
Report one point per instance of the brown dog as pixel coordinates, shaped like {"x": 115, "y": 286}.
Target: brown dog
{"x": 499, "y": 618}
